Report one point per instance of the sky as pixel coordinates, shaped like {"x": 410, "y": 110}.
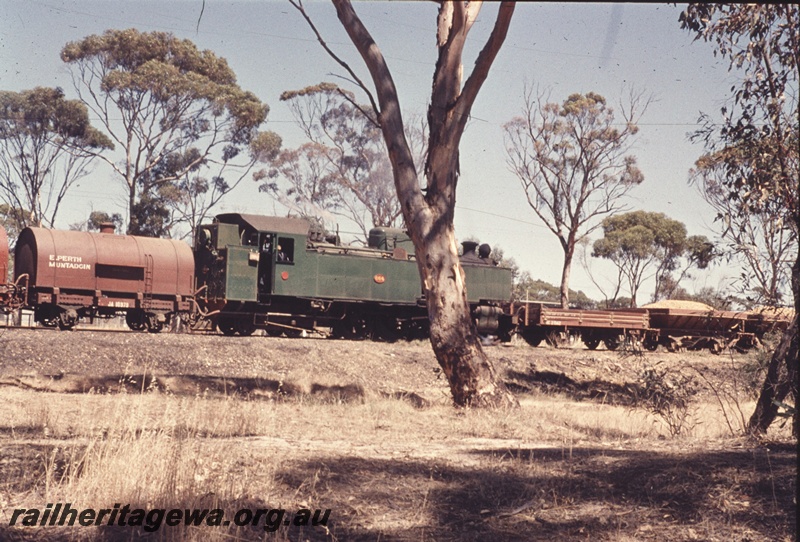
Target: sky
{"x": 562, "y": 48}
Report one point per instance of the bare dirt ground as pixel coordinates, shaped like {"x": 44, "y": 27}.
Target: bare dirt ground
{"x": 367, "y": 430}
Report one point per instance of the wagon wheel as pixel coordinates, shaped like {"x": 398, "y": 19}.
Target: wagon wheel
{"x": 532, "y": 337}
{"x": 274, "y": 331}
{"x": 153, "y": 324}
{"x": 155, "y": 327}
{"x": 715, "y": 347}
{"x": 591, "y": 343}
{"x": 65, "y": 323}
{"x": 553, "y": 338}
{"x": 612, "y": 343}
{"x": 651, "y": 344}
{"x": 674, "y": 345}
{"x": 135, "y": 320}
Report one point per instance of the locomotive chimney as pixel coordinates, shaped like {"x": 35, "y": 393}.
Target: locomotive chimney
{"x": 107, "y": 227}
{"x": 469, "y": 247}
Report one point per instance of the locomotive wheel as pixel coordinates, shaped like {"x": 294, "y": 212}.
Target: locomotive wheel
{"x": 352, "y": 328}
{"x": 227, "y": 326}
{"x": 245, "y": 328}
{"x": 385, "y": 330}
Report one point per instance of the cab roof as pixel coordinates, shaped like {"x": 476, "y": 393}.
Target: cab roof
{"x": 277, "y": 224}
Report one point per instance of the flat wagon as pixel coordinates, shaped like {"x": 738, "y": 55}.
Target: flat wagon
{"x": 539, "y": 322}
{"x": 694, "y": 329}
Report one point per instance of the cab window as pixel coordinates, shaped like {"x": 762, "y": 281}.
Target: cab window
{"x": 285, "y": 250}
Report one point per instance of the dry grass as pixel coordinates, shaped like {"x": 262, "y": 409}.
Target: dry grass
{"x": 576, "y": 461}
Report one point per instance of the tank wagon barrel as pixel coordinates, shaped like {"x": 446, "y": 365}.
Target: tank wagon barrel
{"x": 74, "y": 274}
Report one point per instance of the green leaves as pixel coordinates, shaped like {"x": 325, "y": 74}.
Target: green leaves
{"x": 43, "y": 112}
{"x": 174, "y": 101}
{"x": 640, "y": 242}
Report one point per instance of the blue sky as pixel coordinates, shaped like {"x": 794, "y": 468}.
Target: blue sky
{"x": 567, "y": 48}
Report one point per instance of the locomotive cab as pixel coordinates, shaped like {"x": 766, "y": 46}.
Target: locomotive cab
{"x": 238, "y": 257}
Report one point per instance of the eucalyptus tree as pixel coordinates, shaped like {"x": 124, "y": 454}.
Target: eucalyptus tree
{"x": 345, "y": 153}
{"x": 644, "y": 245}
{"x": 574, "y": 163}
{"x": 428, "y": 213}
{"x": 158, "y": 96}
{"x": 96, "y": 221}
{"x": 46, "y": 146}
{"x": 758, "y": 142}
{"x": 762, "y": 239}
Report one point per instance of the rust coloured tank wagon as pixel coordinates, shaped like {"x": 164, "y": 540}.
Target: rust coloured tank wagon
{"x": 73, "y": 275}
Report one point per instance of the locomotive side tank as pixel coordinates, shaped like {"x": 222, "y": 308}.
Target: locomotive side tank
{"x": 74, "y": 274}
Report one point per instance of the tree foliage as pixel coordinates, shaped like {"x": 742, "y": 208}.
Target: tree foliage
{"x": 643, "y": 245}
{"x": 574, "y": 163}
{"x": 96, "y": 220}
{"x": 343, "y": 168}
{"x": 163, "y": 100}
{"x": 761, "y": 239}
{"x": 757, "y": 141}
{"x": 526, "y": 288}
{"x": 755, "y": 147}
{"x": 46, "y": 143}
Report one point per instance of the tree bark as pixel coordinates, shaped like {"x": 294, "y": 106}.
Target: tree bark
{"x": 454, "y": 338}
{"x": 429, "y": 218}
{"x": 565, "y": 273}
{"x": 782, "y": 374}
